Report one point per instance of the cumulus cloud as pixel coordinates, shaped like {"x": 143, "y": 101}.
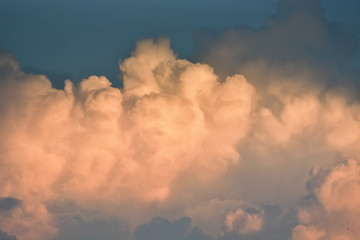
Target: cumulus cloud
{"x": 227, "y": 152}
{"x": 332, "y": 209}
{"x": 96, "y": 144}
{"x": 306, "y": 91}
{"x": 243, "y": 222}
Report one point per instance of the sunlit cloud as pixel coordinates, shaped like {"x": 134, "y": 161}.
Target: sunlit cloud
{"x": 215, "y": 149}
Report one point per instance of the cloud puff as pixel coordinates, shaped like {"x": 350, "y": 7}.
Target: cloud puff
{"x": 332, "y": 210}
{"x": 96, "y": 144}
{"x": 307, "y": 232}
{"x": 244, "y": 222}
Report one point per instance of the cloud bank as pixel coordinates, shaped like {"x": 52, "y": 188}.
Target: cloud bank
{"x": 99, "y": 146}
{"x": 217, "y": 150}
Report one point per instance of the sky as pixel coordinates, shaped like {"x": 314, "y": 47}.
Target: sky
{"x": 186, "y": 120}
{"x": 75, "y": 39}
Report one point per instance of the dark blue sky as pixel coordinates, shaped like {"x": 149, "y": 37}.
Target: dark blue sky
{"x": 75, "y": 39}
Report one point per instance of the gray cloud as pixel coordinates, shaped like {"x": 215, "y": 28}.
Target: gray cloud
{"x": 162, "y": 229}
{"x": 76, "y": 223}
{"x": 79, "y": 227}
{"x": 8, "y": 203}
{"x": 298, "y": 34}
{"x": 277, "y": 224}
{"x": 5, "y": 236}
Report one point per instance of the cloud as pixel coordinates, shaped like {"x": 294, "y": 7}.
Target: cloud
{"x": 229, "y": 149}
{"x": 307, "y": 232}
{"x": 297, "y": 33}
{"x": 5, "y": 236}
{"x": 306, "y": 91}
{"x": 75, "y": 223}
{"x": 101, "y": 146}
{"x": 331, "y": 211}
{"x": 260, "y": 222}
{"x": 244, "y": 222}
{"x": 57, "y": 79}
{"x": 8, "y": 203}
{"x": 162, "y": 229}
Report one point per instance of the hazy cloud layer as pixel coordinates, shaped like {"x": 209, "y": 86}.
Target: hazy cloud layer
{"x": 215, "y": 157}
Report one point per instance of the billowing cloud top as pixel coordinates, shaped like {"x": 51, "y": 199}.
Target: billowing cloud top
{"x": 98, "y": 146}
{"x": 213, "y": 157}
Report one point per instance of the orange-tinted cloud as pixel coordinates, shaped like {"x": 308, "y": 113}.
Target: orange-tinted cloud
{"x": 97, "y": 145}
